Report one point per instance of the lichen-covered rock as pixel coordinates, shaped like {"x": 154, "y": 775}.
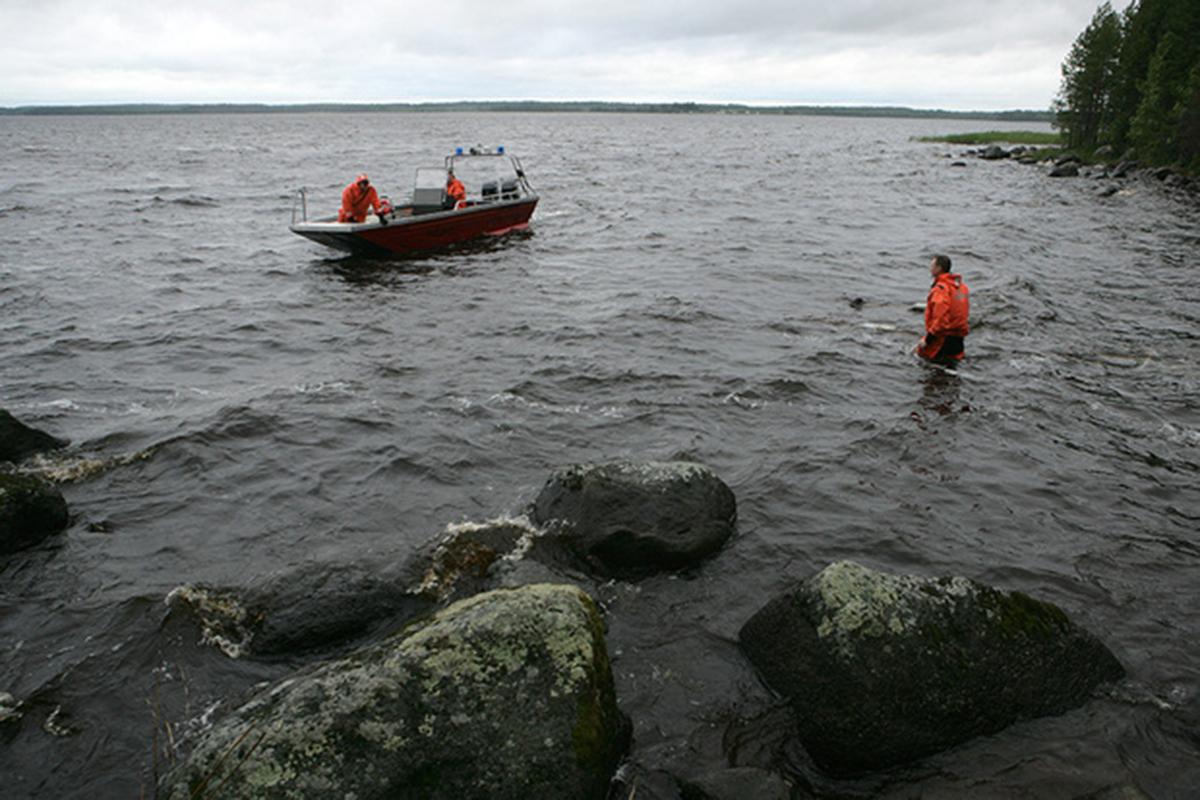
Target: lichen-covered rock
{"x": 18, "y": 440}
{"x": 883, "y": 669}
{"x": 507, "y": 694}
{"x": 637, "y": 518}
{"x": 30, "y": 510}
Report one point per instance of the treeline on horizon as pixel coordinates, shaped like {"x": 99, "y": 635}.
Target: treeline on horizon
{"x": 1131, "y": 81}
{"x": 1019, "y": 115}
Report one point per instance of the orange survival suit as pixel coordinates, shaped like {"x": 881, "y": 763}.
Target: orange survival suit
{"x": 946, "y": 311}
{"x": 455, "y": 190}
{"x": 356, "y": 198}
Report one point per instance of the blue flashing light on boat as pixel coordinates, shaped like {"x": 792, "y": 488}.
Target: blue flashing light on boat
{"x": 458, "y": 151}
{"x": 500, "y": 149}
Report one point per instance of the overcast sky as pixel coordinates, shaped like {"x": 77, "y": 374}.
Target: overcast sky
{"x": 956, "y": 54}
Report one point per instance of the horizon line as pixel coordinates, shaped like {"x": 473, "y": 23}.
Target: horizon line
{"x": 634, "y": 105}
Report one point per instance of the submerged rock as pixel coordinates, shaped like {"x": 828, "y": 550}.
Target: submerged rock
{"x": 637, "y": 518}
{"x": 507, "y": 694}
{"x": 18, "y": 440}
{"x": 884, "y": 669}
{"x": 319, "y": 606}
{"x": 30, "y": 511}
{"x": 309, "y": 609}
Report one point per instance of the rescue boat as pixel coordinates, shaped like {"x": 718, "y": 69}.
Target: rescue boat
{"x": 499, "y": 201}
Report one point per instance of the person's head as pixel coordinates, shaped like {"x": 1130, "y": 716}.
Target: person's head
{"x": 939, "y": 265}
{"x": 363, "y": 181}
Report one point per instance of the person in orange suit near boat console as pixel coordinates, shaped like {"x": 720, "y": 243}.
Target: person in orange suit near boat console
{"x": 456, "y": 193}
{"x": 357, "y": 198}
{"x": 946, "y": 311}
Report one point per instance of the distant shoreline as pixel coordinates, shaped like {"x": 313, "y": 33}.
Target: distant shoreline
{"x": 583, "y": 106}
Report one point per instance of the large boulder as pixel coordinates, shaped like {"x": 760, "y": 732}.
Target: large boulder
{"x": 883, "y": 669}
{"x": 30, "y": 510}
{"x": 994, "y": 153}
{"x": 636, "y": 518}
{"x": 507, "y": 694}
{"x": 18, "y": 440}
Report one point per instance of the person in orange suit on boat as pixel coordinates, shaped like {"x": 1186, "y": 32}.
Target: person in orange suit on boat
{"x": 456, "y": 193}
{"x": 357, "y": 198}
{"x": 946, "y": 311}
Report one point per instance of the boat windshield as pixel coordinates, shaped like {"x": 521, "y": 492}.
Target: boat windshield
{"x": 480, "y": 171}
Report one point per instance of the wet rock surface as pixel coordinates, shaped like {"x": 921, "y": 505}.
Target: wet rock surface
{"x": 507, "y": 694}
{"x": 18, "y": 440}
{"x": 883, "y": 669}
{"x": 30, "y": 511}
{"x": 632, "y": 519}
{"x": 739, "y": 783}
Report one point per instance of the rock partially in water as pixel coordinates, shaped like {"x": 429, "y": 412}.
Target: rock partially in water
{"x": 18, "y": 440}
{"x": 1068, "y": 170}
{"x": 994, "y": 153}
{"x": 507, "y": 694}
{"x": 309, "y": 609}
{"x": 319, "y": 606}
{"x": 466, "y": 558}
{"x": 1122, "y": 169}
{"x": 884, "y": 669}
{"x": 10, "y": 709}
{"x": 30, "y": 511}
{"x": 632, "y": 518}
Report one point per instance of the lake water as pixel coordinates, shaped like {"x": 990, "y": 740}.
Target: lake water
{"x": 243, "y": 403}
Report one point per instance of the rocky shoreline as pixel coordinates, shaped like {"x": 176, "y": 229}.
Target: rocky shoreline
{"x": 1102, "y": 165}
{"x": 479, "y": 666}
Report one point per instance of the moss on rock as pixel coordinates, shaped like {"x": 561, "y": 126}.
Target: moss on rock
{"x": 883, "y": 669}
{"x": 507, "y": 694}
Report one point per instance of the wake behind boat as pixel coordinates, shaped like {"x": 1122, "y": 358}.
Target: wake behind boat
{"x": 498, "y": 200}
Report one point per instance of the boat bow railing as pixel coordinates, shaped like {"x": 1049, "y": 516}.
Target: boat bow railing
{"x": 300, "y": 203}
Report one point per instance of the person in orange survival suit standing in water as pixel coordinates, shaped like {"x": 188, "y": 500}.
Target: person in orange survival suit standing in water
{"x": 456, "y": 193}
{"x": 356, "y": 198}
{"x": 946, "y": 311}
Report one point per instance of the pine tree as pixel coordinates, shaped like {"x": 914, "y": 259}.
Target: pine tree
{"x": 1084, "y": 104}
{"x": 1188, "y": 134}
{"x": 1155, "y": 128}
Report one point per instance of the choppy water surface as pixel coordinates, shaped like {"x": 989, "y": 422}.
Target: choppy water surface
{"x": 242, "y": 403}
